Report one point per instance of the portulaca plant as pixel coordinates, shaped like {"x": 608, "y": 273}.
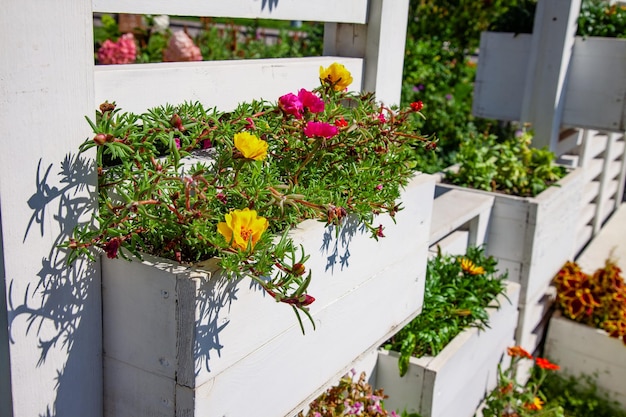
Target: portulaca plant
{"x": 191, "y": 183}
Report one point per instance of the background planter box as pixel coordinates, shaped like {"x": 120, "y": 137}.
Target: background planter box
{"x": 532, "y": 237}
{"x": 581, "y": 349}
{"x": 185, "y": 342}
{"x": 454, "y": 382}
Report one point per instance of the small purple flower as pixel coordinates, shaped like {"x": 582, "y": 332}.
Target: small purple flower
{"x": 448, "y": 96}
{"x": 206, "y": 144}
{"x": 519, "y": 133}
{"x": 177, "y": 142}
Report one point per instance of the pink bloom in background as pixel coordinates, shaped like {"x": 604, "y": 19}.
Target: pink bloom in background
{"x": 311, "y": 101}
{"x": 181, "y": 48}
{"x": 320, "y": 129}
{"x": 124, "y": 51}
{"x": 177, "y": 141}
{"x": 291, "y": 104}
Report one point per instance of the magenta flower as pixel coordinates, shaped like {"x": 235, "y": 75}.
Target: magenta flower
{"x": 177, "y": 142}
{"x": 320, "y": 129}
{"x": 291, "y": 104}
{"x": 311, "y": 101}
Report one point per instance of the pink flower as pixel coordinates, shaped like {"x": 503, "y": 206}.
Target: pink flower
{"x": 177, "y": 142}
{"x": 381, "y": 118}
{"x": 206, "y": 144}
{"x": 181, "y": 48}
{"x": 379, "y": 232}
{"x": 124, "y": 51}
{"x": 291, "y": 104}
{"x": 311, "y": 101}
{"x": 379, "y": 187}
{"x": 320, "y": 129}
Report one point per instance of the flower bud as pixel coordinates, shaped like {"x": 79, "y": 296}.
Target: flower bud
{"x": 177, "y": 123}
{"x": 298, "y": 269}
{"x": 100, "y": 139}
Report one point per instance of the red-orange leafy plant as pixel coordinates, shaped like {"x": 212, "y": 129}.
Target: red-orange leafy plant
{"x": 597, "y": 300}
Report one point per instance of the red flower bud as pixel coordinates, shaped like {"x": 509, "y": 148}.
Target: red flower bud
{"x": 417, "y": 105}
{"x": 100, "y": 139}
{"x": 298, "y": 269}
{"x": 177, "y": 122}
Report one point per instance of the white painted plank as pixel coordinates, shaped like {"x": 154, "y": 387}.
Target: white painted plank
{"x": 501, "y": 74}
{"x": 455, "y": 208}
{"x": 455, "y": 243}
{"x": 54, "y": 321}
{"x": 595, "y": 96}
{"x": 552, "y": 43}
{"x": 138, "y": 87}
{"x": 610, "y": 240}
{"x": 354, "y": 11}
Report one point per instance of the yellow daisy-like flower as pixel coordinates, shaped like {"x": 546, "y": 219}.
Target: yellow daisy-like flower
{"x": 242, "y": 227}
{"x": 336, "y": 75}
{"x": 469, "y": 267}
{"x": 250, "y": 146}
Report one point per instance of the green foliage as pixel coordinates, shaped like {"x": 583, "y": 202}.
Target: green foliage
{"x": 511, "y": 166}
{"x": 456, "y": 297}
{"x": 157, "y": 195}
{"x": 510, "y": 398}
{"x": 519, "y": 17}
{"x": 579, "y": 396}
{"x": 597, "y": 18}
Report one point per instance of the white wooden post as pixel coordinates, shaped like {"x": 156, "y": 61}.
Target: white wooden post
{"x": 6, "y": 404}
{"x": 53, "y": 311}
{"x": 551, "y": 49}
{"x": 378, "y": 43}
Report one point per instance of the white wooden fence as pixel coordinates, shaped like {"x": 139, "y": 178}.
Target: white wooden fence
{"x": 48, "y": 83}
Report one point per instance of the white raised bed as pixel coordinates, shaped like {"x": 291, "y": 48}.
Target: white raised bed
{"x": 453, "y": 383}
{"x": 581, "y": 349}
{"x": 185, "y": 342}
{"x": 532, "y": 237}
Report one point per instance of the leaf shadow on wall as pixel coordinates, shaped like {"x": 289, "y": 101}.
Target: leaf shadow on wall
{"x": 63, "y": 308}
{"x": 271, "y": 4}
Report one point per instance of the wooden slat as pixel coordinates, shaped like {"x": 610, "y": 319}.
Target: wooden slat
{"x": 138, "y": 87}
{"x": 348, "y": 11}
{"x": 597, "y": 86}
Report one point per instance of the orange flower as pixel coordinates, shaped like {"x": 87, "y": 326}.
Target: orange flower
{"x": 242, "y": 228}
{"x": 546, "y": 364}
{"x": 519, "y": 352}
{"x": 536, "y": 405}
{"x": 469, "y": 267}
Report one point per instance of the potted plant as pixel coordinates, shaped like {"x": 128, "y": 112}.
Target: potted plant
{"x": 451, "y": 350}
{"x": 314, "y": 199}
{"x": 588, "y": 333}
{"x": 532, "y": 227}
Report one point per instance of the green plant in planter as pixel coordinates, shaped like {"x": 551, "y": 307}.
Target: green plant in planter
{"x": 598, "y": 18}
{"x": 263, "y": 168}
{"x": 512, "y": 399}
{"x": 349, "y": 397}
{"x": 598, "y": 300}
{"x": 510, "y": 166}
{"x": 457, "y": 295}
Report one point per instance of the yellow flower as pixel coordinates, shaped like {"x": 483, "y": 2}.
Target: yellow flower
{"x": 336, "y": 75}
{"x": 469, "y": 267}
{"x": 242, "y": 227}
{"x": 250, "y": 146}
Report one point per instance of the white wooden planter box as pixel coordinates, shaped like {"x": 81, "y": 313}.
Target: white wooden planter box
{"x": 581, "y": 349}
{"x": 532, "y": 237}
{"x": 184, "y": 342}
{"x": 453, "y": 383}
